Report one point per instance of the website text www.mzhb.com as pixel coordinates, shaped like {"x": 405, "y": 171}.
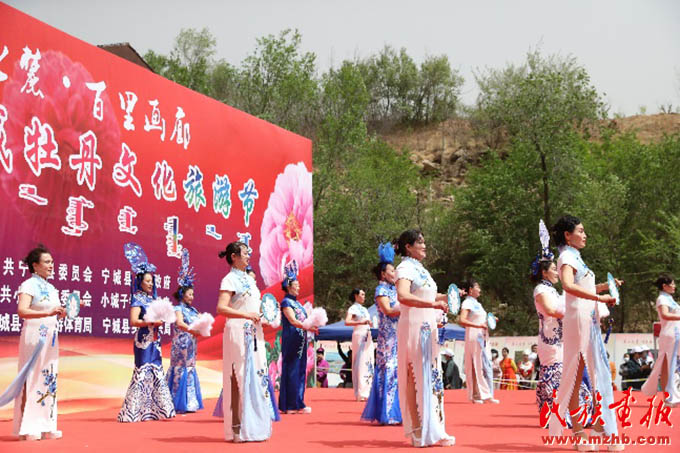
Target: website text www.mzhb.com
{"x": 622, "y": 439}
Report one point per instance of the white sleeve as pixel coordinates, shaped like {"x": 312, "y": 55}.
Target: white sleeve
{"x": 568, "y": 258}
{"x": 406, "y": 271}
{"x": 227, "y": 284}
{"x": 467, "y": 305}
{"x": 28, "y": 287}
{"x": 663, "y": 300}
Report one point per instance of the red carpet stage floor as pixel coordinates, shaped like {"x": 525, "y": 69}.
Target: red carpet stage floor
{"x": 333, "y": 424}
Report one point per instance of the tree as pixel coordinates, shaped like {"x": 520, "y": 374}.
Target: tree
{"x": 438, "y": 91}
{"x": 540, "y": 103}
{"x": 189, "y": 61}
{"x": 278, "y": 84}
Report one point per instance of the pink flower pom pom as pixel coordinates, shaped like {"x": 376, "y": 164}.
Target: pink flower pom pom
{"x": 203, "y": 324}
{"x": 160, "y": 310}
{"x": 318, "y": 318}
{"x": 308, "y": 308}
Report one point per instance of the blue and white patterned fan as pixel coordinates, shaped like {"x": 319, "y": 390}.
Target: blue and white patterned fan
{"x": 453, "y": 299}
{"x": 491, "y": 321}
{"x": 72, "y": 305}
{"x": 270, "y": 308}
{"x": 613, "y": 289}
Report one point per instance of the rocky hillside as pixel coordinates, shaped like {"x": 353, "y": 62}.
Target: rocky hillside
{"x": 449, "y": 148}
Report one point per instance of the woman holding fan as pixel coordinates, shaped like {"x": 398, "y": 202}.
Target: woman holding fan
{"x": 362, "y": 345}
{"x": 669, "y": 344}
{"x": 583, "y": 345}
{"x": 246, "y": 402}
{"x": 293, "y": 346}
{"x": 421, "y": 390}
{"x": 35, "y": 417}
{"x": 182, "y": 377}
{"x": 148, "y": 396}
{"x": 550, "y": 309}
{"x": 478, "y": 368}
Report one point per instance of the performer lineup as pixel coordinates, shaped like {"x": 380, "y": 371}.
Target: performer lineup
{"x": 402, "y": 384}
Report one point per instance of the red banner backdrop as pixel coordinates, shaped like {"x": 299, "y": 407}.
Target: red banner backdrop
{"x": 96, "y": 152}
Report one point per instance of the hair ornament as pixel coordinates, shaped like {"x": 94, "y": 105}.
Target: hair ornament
{"x": 290, "y": 272}
{"x": 545, "y": 254}
{"x": 137, "y": 258}
{"x": 187, "y": 275}
{"x": 386, "y": 253}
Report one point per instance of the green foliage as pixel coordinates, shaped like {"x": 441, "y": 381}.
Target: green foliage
{"x": 537, "y": 121}
{"x": 541, "y": 104}
{"x": 277, "y": 82}
{"x": 402, "y": 93}
{"x": 189, "y": 61}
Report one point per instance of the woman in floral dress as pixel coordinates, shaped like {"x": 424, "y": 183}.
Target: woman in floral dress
{"x": 382, "y": 405}
{"x": 148, "y": 396}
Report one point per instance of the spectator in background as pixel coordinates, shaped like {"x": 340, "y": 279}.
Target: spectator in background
{"x": 647, "y": 357}
{"x": 509, "y": 369}
{"x": 526, "y": 371}
{"x": 533, "y": 356}
{"x": 623, "y": 371}
{"x": 452, "y": 378}
{"x": 634, "y": 370}
{"x": 496, "y": 365}
{"x": 322, "y": 368}
{"x": 346, "y": 371}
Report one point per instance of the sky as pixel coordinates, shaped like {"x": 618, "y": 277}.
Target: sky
{"x": 630, "y": 48}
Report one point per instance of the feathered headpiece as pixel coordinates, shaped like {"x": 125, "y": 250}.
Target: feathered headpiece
{"x": 290, "y": 271}
{"x": 546, "y": 254}
{"x": 137, "y": 258}
{"x": 140, "y": 265}
{"x": 186, "y": 276}
{"x": 386, "y": 253}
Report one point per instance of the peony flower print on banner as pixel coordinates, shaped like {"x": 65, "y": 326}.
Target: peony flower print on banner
{"x": 287, "y": 231}
{"x": 66, "y": 109}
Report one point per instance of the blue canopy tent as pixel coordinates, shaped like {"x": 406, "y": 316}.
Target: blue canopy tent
{"x": 338, "y": 331}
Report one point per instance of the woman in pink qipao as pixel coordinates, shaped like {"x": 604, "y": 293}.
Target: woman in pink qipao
{"x": 421, "y": 391}
{"x": 584, "y": 350}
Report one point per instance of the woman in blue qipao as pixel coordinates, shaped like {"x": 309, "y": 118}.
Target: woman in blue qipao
{"x": 182, "y": 377}
{"x": 382, "y": 406}
{"x": 293, "y": 346}
{"x": 148, "y": 396}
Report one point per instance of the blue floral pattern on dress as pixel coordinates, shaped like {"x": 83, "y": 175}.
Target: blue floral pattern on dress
{"x": 382, "y": 405}
{"x": 50, "y": 388}
{"x": 181, "y": 376}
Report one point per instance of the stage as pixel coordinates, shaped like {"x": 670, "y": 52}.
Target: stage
{"x": 333, "y": 424}
{"x": 94, "y": 374}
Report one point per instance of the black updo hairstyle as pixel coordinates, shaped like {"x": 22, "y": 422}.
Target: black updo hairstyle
{"x": 664, "y": 279}
{"x": 179, "y": 294}
{"x": 565, "y": 224}
{"x": 233, "y": 248}
{"x": 380, "y": 268}
{"x": 354, "y": 292}
{"x": 469, "y": 284}
{"x": 543, "y": 265}
{"x": 408, "y": 237}
{"x": 33, "y": 257}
